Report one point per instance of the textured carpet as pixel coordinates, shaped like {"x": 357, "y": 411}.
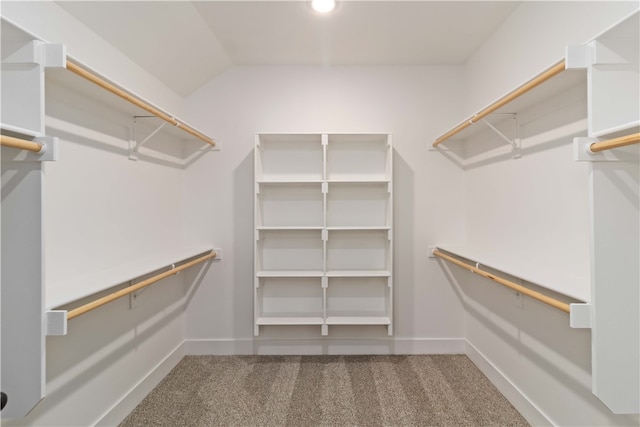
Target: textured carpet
{"x": 445, "y": 390}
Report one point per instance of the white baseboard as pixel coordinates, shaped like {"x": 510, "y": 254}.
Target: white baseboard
{"x": 529, "y": 411}
{"x": 325, "y": 346}
{"x": 129, "y": 401}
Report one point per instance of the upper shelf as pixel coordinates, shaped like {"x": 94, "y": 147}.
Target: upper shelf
{"x": 72, "y": 289}
{"x": 612, "y": 81}
{"x": 563, "y": 282}
{"x": 89, "y": 83}
{"x": 555, "y": 79}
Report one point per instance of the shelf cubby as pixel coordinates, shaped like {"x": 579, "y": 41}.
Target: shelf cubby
{"x": 362, "y": 204}
{"x": 358, "y": 250}
{"x": 289, "y": 301}
{"x": 289, "y": 251}
{"x": 290, "y": 205}
{"x": 358, "y": 157}
{"x": 289, "y": 158}
{"x": 358, "y": 301}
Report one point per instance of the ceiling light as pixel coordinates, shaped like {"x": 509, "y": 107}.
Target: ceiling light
{"x": 323, "y": 6}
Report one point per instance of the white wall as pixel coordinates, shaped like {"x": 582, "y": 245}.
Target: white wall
{"x": 537, "y": 208}
{"x": 406, "y": 101}
{"x": 102, "y": 210}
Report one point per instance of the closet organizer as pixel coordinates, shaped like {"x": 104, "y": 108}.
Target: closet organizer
{"x": 27, "y": 315}
{"x": 608, "y": 65}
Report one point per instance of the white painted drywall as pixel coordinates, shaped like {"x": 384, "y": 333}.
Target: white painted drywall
{"x": 538, "y": 206}
{"x": 405, "y": 101}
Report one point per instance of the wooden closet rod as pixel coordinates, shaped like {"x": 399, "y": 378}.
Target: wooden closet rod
{"x": 22, "y": 144}
{"x": 126, "y": 291}
{"x": 518, "y": 288}
{"x": 615, "y": 143}
{"x": 136, "y": 101}
{"x": 555, "y": 69}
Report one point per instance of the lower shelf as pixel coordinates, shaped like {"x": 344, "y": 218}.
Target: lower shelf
{"x": 358, "y": 320}
{"x": 289, "y": 319}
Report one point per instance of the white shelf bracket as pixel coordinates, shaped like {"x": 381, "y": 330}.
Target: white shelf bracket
{"x": 48, "y": 153}
{"x": 580, "y": 316}
{"x": 577, "y": 57}
{"x": 324, "y": 330}
{"x": 582, "y": 152}
{"x": 515, "y": 142}
{"x": 56, "y": 322}
{"x": 134, "y": 146}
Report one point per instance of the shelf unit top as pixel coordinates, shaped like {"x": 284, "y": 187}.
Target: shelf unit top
{"x": 561, "y": 282}
{"x": 66, "y": 291}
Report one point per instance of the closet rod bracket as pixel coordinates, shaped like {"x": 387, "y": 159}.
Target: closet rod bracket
{"x": 580, "y": 315}
{"x": 56, "y": 322}
{"x": 134, "y": 145}
{"x": 582, "y": 152}
{"x": 515, "y": 141}
{"x": 48, "y": 152}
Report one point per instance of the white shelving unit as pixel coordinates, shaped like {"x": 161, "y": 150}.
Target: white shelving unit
{"x": 323, "y": 221}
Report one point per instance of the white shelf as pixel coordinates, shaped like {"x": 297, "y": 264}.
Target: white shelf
{"x": 560, "y": 83}
{"x": 284, "y": 228}
{"x": 289, "y": 273}
{"x": 75, "y": 288}
{"x": 288, "y": 181}
{"x": 358, "y": 273}
{"x": 81, "y": 87}
{"x": 571, "y": 284}
{"x": 290, "y": 319}
{"x": 357, "y": 319}
{"x": 362, "y": 228}
{"x": 323, "y": 202}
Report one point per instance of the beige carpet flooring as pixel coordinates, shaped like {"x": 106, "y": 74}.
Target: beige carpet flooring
{"x": 442, "y": 390}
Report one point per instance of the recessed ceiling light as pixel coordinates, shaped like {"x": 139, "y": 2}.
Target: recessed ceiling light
{"x": 323, "y": 6}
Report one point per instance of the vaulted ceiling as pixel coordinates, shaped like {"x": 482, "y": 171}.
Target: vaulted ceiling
{"x": 187, "y": 43}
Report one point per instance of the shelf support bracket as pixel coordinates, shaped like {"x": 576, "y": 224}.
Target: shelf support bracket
{"x": 515, "y": 142}
{"x": 134, "y": 146}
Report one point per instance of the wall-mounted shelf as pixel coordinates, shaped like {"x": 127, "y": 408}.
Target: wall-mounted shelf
{"x": 612, "y": 80}
{"x": 23, "y": 90}
{"x": 550, "y": 81}
{"x": 564, "y": 282}
{"x": 72, "y": 289}
{"x": 323, "y": 218}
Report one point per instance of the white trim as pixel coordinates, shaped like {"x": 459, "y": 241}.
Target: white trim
{"x": 139, "y": 391}
{"x": 325, "y": 346}
{"x": 510, "y": 391}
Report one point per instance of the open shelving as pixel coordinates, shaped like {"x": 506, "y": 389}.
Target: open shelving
{"x": 323, "y": 219}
